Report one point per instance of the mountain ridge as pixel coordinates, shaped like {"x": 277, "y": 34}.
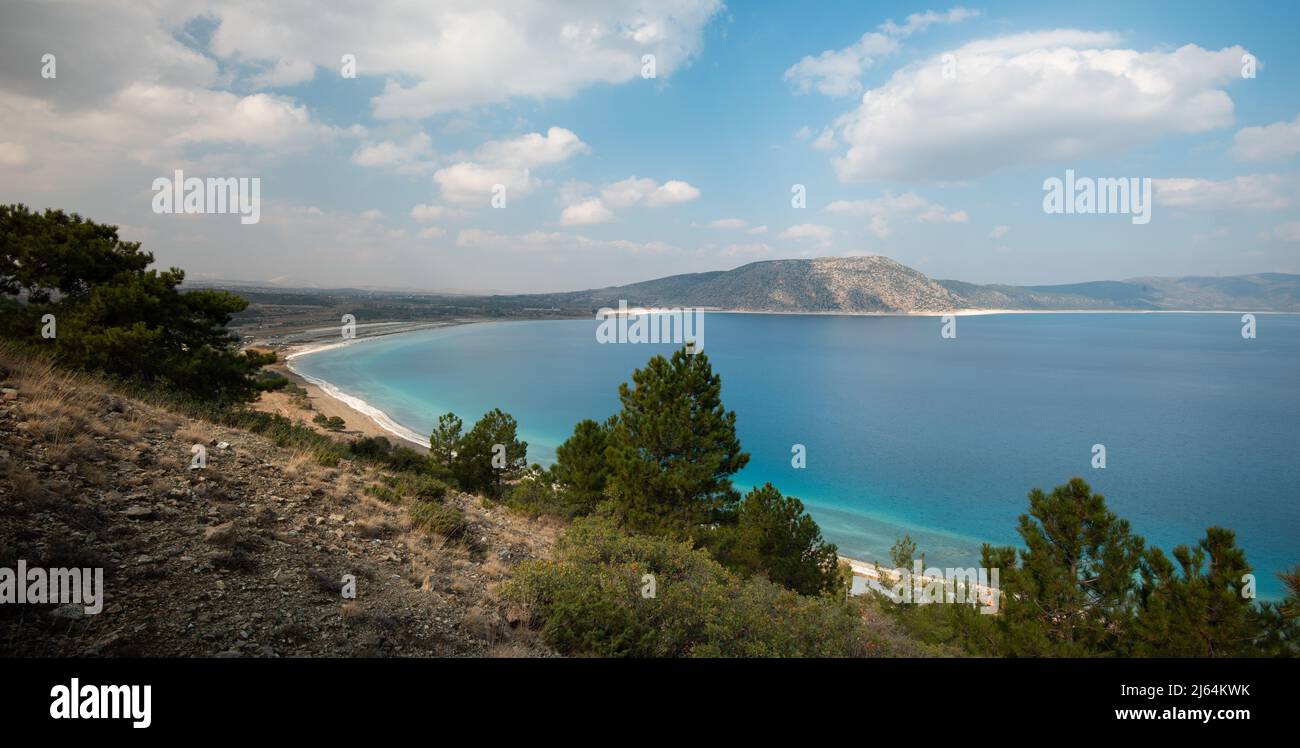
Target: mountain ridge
{"x": 878, "y": 284}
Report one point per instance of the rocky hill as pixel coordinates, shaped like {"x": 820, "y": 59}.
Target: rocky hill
{"x": 881, "y": 285}
{"x": 244, "y": 557}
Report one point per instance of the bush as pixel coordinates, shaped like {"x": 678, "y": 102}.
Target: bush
{"x": 438, "y": 519}
{"x": 413, "y": 486}
{"x": 591, "y": 599}
{"x": 333, "y": 423}
{"x": 539, "y": 492}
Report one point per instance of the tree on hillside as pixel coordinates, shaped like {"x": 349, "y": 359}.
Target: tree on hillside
{"x": 1074, "y": 590}
{"x": 111, "y": 314}
{"x": 902, "y": 552}
{"x": 444, "y": 442}
{"x": 775, "y": 537}
{"x": 581, "y": 467}
{"x": 490, "y": 454}
{"x": 1194, "y": 611}
{"x": 674, "y": 448}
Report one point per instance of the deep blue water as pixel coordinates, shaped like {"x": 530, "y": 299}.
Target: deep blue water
{"x": 909, "y": 433}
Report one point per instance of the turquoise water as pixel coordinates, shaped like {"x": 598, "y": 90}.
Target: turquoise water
{"x": 909, "y": 433}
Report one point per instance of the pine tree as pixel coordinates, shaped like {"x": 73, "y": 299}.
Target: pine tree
{"x": 775, "y": 537}
{"x": 444, "y": 442}
{"x": 493, "y": 439}
{"x": 1073, "y": 593}
{"x": 581, "y": 467}
{"x": 1194, "y": 611}
{"x": 674, "y": 448}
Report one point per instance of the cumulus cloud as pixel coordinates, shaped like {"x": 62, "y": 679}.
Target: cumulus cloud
{"x": 642, "y": 191}
{"x": 882, "y": 209}
{"x": 758, "y": 230}
{"x": 1255, "y": 192}
{"x": 999, "y": 231}
{"x": 508, "y": 163}
{"x": 533, "y": 150}
{"x": 1275, "y": 142}
{"x": 586, "y": 209}
{"x": 456, "y": 54}
{"x": 585, "y": 213}
{"x": 836, "y": 72}
{"x": 1031, "y": 98}
{"x": 408, "y": 157}
{"x": 430, "y": 212}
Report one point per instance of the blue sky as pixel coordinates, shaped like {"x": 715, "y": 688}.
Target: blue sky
{"x": 384, "y": 179}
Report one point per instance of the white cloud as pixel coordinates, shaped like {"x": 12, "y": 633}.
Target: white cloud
{"x": 409, "y": 157}
{"x": 1256, "y": 192}
{"x": 836, "y": 72}
{"x": 1031, "y": 98}
{"x": 428, "y": 212}
{"x": 728, "y": 223}
{"x": 882, "y": 209}
{"x": 508, "y": 163}
{"x": 999, "y": 231}
{"x": 1275, "y": 142}
{"x": 642, "y": 191}
{"x": 432, "y": 232}
{"x": 468, "y": 183}
{"x": 456, "y": 54}
{"x": 585, "y": 213}
{"x": 813, "y": 231}
{"x": 826, "y": 140}
{"x": 533, "y": 150}
{"x": 758, "y": 230}
{"x": 918, "y": 22}
{"x": 285, "y": 72}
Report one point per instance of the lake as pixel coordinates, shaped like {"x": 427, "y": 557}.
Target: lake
{"x": 908, "y": 432}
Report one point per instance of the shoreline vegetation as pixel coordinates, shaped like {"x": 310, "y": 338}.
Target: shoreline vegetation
{"x": 659, "y": 553}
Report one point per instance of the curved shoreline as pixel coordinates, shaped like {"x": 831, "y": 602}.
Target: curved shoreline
{"x": 377, "y": 416}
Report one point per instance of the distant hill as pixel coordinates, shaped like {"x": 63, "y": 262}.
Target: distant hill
{"x": 879, "y": 284}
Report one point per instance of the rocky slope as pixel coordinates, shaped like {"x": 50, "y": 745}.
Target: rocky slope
{"x": 242, "y": 558}
{"x": 828, "y": 284}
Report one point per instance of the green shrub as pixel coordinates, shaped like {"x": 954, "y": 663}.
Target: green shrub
{"x": 590, "y": 599}
{"x": 438, "y": 519}
{"x": 540, "y": 493}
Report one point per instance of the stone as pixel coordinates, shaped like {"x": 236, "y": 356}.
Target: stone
{"x": 223, "y": 534}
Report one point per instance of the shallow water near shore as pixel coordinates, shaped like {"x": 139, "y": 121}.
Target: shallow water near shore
{"x": 906, "y": 432}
